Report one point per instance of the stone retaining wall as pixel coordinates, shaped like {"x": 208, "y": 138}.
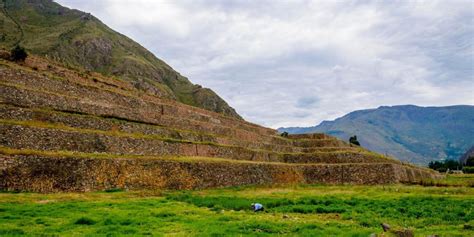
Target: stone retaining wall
{"x": 108, "y": 124}
{"x": 24, "y": 97}
{"x": 122, "y": 98}
{"x": 52, "y": 174}
{"x": 138, "y": 133}
{"x": 54, "y": 139}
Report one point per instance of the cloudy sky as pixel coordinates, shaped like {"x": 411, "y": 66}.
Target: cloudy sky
{"x": 296, "y": 63}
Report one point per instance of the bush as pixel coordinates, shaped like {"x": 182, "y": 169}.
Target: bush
{"x": 84, "y": 221}
{"x": 284, "y": 134}
{"x": 113, "y": 190}
{"x": 353, "y": 140}
{"x": 468, "y": 169}
{"x": 443, "y": 166}
{"x": 18, "y": 54}
{"x": 470, "y": 161}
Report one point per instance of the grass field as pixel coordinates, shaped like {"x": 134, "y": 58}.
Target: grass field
{"x": 307, "y": 210}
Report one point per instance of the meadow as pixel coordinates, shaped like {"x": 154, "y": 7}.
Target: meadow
{"x": 444, "y": 209}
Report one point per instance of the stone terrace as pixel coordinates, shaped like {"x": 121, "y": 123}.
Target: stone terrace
{"x": 64, "y": 130}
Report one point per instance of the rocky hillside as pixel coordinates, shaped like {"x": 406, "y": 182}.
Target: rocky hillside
{"x": 79, "y": 40}
{"x": 409, "y": 133}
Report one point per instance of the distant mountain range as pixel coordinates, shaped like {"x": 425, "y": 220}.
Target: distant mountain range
{"x": 81, "y": 41}
{"x": 468, "y": 155}
{"x": 407, "y": 132}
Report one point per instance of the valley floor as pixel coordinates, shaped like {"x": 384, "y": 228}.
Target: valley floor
{"x": 314, "y": 210}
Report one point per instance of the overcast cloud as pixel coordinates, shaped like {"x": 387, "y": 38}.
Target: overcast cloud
{"x": 296, "y": 63}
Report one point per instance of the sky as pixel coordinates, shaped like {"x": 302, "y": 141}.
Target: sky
{"x": 297, "y": 63}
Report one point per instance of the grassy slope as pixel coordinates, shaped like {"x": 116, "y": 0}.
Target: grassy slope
{"x": 410, "y": 133}
{"x": 81, "y": 41}
{"x": 295, "y": 210}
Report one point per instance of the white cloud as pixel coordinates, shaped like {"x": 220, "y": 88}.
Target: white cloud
{"x": 282, "y": 63}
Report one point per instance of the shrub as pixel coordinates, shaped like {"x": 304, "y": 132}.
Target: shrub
{"x": 18, "y": 54}
{"x": 113, "y": 190}
{"x": 353, "y": 140}
{"x": 468, "y": 169}
{"x": 284, "y": 134}
{"x": 84, "y": 221}
{"x": 470, "y": 161}
{"x": 443, "y": 166}
{"x": 164, "y": 214}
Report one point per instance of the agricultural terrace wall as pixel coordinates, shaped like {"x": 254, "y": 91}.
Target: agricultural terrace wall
{"x": 40, "y": 138}
{"x": 52, "y": 174}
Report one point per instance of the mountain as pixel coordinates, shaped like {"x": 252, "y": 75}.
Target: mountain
{"x": 468, "y": 155}
{"x": 407, "y": 132}
{"x": 80, "y": 41}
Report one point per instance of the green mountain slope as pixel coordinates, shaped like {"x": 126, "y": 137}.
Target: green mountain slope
{"x": 409, "y": 133}
{"x": 79, "y": 40}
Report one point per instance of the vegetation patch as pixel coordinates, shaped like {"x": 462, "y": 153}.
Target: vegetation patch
{"x": 304, "y": 210}
{"x": 114, "y": 190}
{"x": 84, "y": 221}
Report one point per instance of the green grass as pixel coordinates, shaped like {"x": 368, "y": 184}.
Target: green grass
{"x": 452, "y": 180}
{"x": 307, "y": 210}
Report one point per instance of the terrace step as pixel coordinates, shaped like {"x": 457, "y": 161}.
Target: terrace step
{"x": 30, "y": 98}
{"x": 309, "y": 136}
{"x": 39, "y": 171}
{"x": 120, "y": 98}
{"x": 309, "y": 143}
{"x": 82, "y": 121}
{"x": 119, "y": 101}
{"x": 44, "y": 136}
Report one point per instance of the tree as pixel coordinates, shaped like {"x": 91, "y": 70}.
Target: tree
{"x": 436, "y": 165}
{"x": 18, "y": 54}
{"x": 442, "y": 166}
{"x": 284, "y": 134}
{"x": 451, "y": 164}
{"x": 353, "y": 140}
{"x": 470, "y": 161}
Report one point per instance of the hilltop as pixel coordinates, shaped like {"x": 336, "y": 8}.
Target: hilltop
{"x": 409, "y": 133}
{"x": 80, "y": 41}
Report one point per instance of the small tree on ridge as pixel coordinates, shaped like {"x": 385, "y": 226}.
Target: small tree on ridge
{"x": 18, "y": 54}
{"x": 353, "y": 140}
